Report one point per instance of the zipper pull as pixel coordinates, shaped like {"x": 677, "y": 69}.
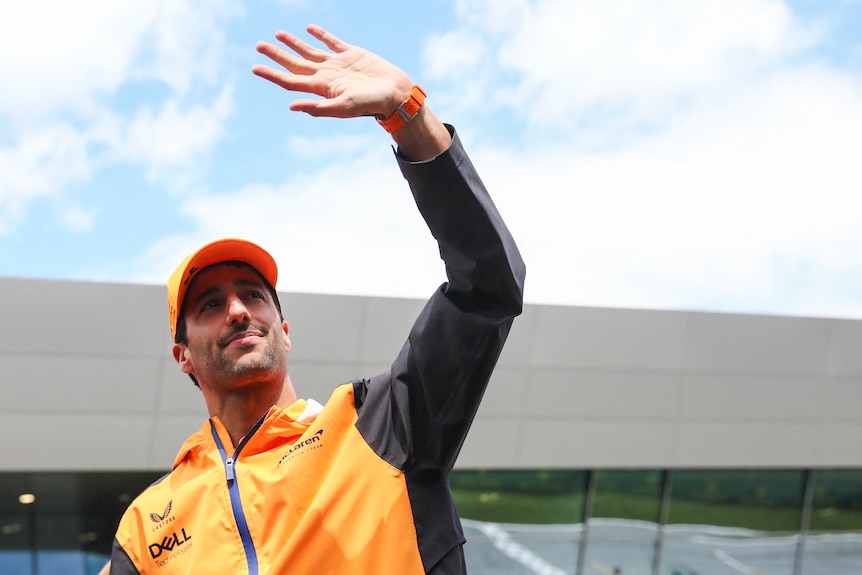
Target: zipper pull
{"x": 229, "y": 470}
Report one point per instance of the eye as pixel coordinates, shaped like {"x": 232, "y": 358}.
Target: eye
{"x": 210, "y": 304}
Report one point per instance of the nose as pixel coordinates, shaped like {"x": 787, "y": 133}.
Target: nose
{"x": 236, "y": 311}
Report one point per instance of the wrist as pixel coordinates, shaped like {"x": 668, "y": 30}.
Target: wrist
{"x": 406, "y": 111}
{"x": 423, "y": 138}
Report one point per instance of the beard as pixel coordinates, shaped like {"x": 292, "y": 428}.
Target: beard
{"x": 261, "y": 360}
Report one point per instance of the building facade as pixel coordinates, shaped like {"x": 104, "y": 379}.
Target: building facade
{"x": 639, "y": 433}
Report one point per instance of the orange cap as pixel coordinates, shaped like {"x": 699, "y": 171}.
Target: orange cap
{"x": 219, "y": 251}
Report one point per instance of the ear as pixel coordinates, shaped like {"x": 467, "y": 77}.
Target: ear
{"x": 182, "y": 357}
{"x": 286, "y": 338}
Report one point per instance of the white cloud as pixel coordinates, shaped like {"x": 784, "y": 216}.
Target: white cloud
{"x": 66, "y": 56}
{"x": 327, "y": 149}
{"x": 351, "y": 228}
{"x": 721, "y": 208}
{"x": 70, "y": 61}
{"x": 497, "y": 16}
{"x": 79, "y": 219}
{"x": 637, "y": 59}
{"x": 463, "y": 59}
{"x": 454, "y": 56}
{"x": 740, "y": 195}
{"x": 173, "y": 142}
{"x": 43, "y": 162}
{"x": 186, "y": 43}
{"x": 743, "y": 199}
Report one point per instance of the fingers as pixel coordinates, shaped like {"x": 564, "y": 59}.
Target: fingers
{"x": 308, "y": 51}
{"x": 307, "y": 54}
{"x": 332, "y": 108}
{"x": 292, "y": 82}
{"x": 332, "y": 42}
{"x": 302, "y": 48}
{"x": 352, "y": 81}
{"x": 288, "y": 61}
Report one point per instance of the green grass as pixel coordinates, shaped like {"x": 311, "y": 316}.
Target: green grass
{"x": 511, "y": 507}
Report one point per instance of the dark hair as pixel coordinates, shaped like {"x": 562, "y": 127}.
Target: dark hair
{"x": 182, "y": 334}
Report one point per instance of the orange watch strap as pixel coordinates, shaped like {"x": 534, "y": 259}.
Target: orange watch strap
{"x": 406, "y": 111}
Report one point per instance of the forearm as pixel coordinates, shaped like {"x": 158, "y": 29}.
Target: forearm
{"x": 423, "y": 138}
{"x": 417, "y": 415}
{"x": 482, "y": 260}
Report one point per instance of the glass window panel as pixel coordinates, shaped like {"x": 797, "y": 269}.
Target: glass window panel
{"x": 520, "y": 522}
{"x": 733, "y": 521}
{"x": 834, "y": 543}
{"x": 624, "y": 524}
{"x": 71, "y": 523}
{"x": 14, "y": 531}
{"x": 16, "y": 562}
{"x": 66, "y": 562}
{"x": 837, "y": 503}
{"x": 628, "y": 494}
{"x": 520, "y": 495}
{"x": 95, "y": 562}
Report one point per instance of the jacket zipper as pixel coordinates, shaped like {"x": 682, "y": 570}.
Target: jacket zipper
{"x": 235, "y": 501}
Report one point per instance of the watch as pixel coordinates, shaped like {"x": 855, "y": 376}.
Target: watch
{"x": 406, "y": 111}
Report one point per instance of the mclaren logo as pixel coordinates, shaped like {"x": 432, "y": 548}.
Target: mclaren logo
{"x": 298, "y": 448}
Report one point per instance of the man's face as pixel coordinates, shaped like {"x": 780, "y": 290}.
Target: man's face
{"x": 235, "y": 333}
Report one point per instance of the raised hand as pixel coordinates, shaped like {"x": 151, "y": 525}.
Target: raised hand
{"x": 352, "y": 81}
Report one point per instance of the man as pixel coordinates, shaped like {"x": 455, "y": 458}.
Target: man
{"x": 272, "y": 484}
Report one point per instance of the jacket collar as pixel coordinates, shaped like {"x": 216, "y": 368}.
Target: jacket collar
{"x": 278, "y": 427}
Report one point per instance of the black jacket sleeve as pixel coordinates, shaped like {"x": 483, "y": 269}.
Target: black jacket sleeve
{"x": 417, "y": 415}
{"x": 121, "y": 563}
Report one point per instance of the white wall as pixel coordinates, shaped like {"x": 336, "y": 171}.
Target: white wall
{"x": 87, "y": 382}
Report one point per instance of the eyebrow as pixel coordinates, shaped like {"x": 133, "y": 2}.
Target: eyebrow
{"x": 239, "y": 282}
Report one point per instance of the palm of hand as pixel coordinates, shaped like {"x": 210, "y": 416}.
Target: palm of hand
{"x": 352, "y": 80}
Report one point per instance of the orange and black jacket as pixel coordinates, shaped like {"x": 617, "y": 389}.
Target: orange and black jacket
{"x": 362, "y": 486}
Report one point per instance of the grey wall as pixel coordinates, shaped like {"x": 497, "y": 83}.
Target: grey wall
{"x": 87, "y": 382}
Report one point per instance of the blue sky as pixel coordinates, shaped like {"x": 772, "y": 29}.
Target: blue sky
{"x": 670, "y": 154}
